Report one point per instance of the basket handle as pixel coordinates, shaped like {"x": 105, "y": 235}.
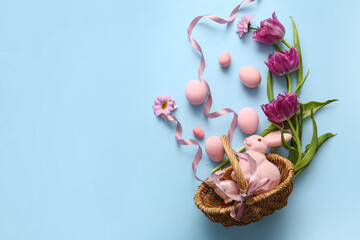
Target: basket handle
{"x": 234, "y": 163}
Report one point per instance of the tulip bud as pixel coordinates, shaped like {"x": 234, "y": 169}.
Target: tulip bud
{"x": 281, "y": 63}
{"x": 270, "y": 32}
{"x": 282, "y": 108}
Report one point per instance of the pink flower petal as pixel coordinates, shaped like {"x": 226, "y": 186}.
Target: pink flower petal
{"x": 242, "y": 26}
{"x": 171, "y": 106}
{"x": 160, "y": 98}
{"x": 282, "y": 108}
{"x": 167, "y": 98}
{"x": 281, "y": 63}
{"x": 270, "y": 32}
{"x": 158, "y": 112}
{"x": 166, "y": 112}
{"x": 157, "y": 107}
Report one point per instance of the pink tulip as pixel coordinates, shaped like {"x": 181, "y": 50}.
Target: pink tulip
{"x": 282, "y": 108}
{"x": 281, "y": 63}
{"x": 270, "y": 32}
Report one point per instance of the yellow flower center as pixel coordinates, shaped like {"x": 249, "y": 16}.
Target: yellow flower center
{"x": 164, "y": 105}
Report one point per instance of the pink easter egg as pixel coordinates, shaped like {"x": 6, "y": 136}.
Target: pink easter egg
{"x": 198, "y": 132}
{"x": 225, "y": 59}
{"x": 214, "y": 148}
{"x": 195, "y": 92}
{"x": 250, "y": 76}
{"x": 248, "y": 120}
{"x": 229, "y": 187}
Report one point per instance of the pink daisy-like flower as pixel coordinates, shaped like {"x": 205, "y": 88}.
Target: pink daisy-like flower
{"x": 164, "y": 105}
{"x": 243, "y": 25}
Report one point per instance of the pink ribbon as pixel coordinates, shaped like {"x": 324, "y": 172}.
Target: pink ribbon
{"x": 209, "y": 99}
{"x": 195, "y": 44}
{"x": 215, "y": 178}
{"x": 186, "y": 142}
{"x": 250, "y": 190}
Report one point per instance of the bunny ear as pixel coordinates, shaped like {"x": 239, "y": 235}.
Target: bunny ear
{"x": 273, "y": 139}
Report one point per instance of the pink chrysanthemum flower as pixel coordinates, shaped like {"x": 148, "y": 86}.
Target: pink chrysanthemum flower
{"x": 164, "y": 105}
{"x": 243, "y": 25}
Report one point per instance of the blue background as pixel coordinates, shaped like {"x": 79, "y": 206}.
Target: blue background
{"x": 82, "y": 156}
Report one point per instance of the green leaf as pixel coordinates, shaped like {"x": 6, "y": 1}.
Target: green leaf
{"x": 284, "y": 143}
{"x": 315, "y": 106}
{"x": 293, "y": 153}
{"x": 310, "y": 153}
{"x": 290, "y": 148}
{"x": 297, "y": 89}
{"x": 270, "y": 86}
{"x": 298, "y": 172}
{"x": 297, "y": 45}
{"x": 301, "y": 119}
{"x": 297, "y": 125}
{"x": 268, "y": 130}
{"x": 321, "y": 140}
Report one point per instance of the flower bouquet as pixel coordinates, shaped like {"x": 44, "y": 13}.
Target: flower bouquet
{"x": 286, "y": 113}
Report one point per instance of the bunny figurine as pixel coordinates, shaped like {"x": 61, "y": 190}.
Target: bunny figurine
{"x": 256, "y": 146}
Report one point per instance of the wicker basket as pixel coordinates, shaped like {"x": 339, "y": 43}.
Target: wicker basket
{"x": 255, "y": 207}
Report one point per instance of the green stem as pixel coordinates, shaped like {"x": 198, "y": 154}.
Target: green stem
{"x": 297, "y": 124}
{"x": 296, "y": 139}
{"x": 288, "y": 83}
{"x": 277, "y": 48}
{"x": 253, "y": 28}
{"x": 284, "y": 42}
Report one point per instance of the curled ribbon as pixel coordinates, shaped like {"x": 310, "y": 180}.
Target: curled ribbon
{"x": 209, "y": 99}
{"x": 195, "y": 44}
{"x": 250, "y": 190}
{"x": 186, "y": 142}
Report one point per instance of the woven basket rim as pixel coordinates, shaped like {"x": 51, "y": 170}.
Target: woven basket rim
{"x": 289, "y": 167}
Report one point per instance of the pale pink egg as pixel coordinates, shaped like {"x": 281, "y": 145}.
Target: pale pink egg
{"x": 195, "y": 92}
{"x": 250, "y": 76}
{"x": 214, "y": 148}
{"x": 198, "y": 132}
{"x": 228, "y": 186}
{"x": 225, "y": 59}
{"x": 248, "y": 120}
